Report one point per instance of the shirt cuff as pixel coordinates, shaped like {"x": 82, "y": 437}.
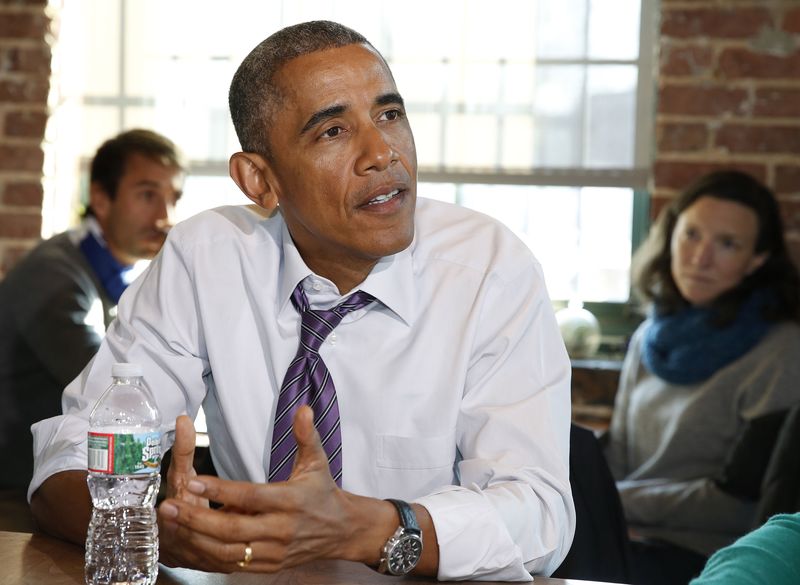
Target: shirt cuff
{"x": 473, "y": 543}
{"x": 56, "y": 449}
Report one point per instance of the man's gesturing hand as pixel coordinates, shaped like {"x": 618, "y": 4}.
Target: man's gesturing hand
{"x": 285, "y": 523}
{"x": 181, "y": 472}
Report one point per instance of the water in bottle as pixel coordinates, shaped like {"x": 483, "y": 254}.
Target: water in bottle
{"x": 124, "y": 464}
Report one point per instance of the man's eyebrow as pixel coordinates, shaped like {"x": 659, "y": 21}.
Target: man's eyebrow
{"x": 146, "y": 183}
{"x": 321, "y": 115}
{"x": 389, "y": 98}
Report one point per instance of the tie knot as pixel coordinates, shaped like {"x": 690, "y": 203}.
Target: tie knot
{"x": 317, "y": 324}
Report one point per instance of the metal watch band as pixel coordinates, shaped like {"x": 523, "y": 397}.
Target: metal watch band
{"x": 408, "y": 519}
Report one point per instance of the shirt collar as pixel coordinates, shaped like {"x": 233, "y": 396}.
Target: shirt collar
{"x": 391, "y": 280}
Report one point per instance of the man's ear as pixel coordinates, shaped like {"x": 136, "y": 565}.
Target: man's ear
{"x": 100, "y": 202}
{"x": 252, "y": 175}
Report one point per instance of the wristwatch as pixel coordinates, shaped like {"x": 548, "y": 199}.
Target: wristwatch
{"x": 402, "y": 551}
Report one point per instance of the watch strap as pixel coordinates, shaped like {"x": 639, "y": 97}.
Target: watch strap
{"x": 408, "y": 519}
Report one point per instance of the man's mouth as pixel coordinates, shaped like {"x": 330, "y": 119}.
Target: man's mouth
{"x": 384, "y": 198}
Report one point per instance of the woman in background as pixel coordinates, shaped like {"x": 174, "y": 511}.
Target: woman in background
{"x": 720, "y": 349}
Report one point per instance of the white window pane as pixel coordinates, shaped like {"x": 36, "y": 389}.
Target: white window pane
{"x": 98, "y": 123}
{"x": 611, "y": 105}
{"x": 518, "y": 82}
{"x": 605, "y": 243}
{"x": 101, "y": 46}
{"x": 517, "y": 142}
{"x": 582, "y": 236}
{"x": 513, "y": 24}
{"x": 559, "y": 108}
{"x": 419, "y": 82}
{"x": 427, "y": 130}
{"x": 480, "y": 84}
{"x": 620, "y": 16}
{"x": 434, "y": 36}
{"x": 204, "y": 192}
{"x": 191, "y": 106}
{"x": 440, "y": 191}
{"x": 471, "y": 140}
{"x": 560, "y": 29}
{"x": 143, "y": 117}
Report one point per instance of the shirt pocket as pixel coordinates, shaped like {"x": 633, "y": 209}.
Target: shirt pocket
{"x": 416, "y": 452}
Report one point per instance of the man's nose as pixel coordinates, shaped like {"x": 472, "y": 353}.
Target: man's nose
{"x": 377, "y": 153}
{"x": 164, "y": 213}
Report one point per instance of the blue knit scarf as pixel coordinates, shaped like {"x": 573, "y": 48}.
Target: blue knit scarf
{"x": 112, "y": 274}
{"x": 685, "y": 348}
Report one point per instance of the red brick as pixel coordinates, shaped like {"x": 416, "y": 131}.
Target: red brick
{"x": 777, "y": 102}
{"x": 787, "y": 179}
{"x": 657, "y": 203}
{"x": 27, "y": 91}
{"x": 714, "y": 23}
{"x": 681, "y": 137}
{"x": 678, "y": 175}
{"x": 20, "y": 225}
{"x": 23, "y": 194}
{"x": 739, "y": 138}
{"x": 791, "y": 21}
{"x": 705, "y": 100}
{"x": 26, "y": 60}
{"x": 695, "y": 61}
{"x": 26, "y": 124}
{"x": 21, "y": 158}
{"x": 790, "y": 214}
{"x": 735, "y": 63}
{"x": 23, "y": 25}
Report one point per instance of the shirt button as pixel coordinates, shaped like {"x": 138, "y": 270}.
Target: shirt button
{"x": 316, "y": 285}
{"x": 332, "y": 338}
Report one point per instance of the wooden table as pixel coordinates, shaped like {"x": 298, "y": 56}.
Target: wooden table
{"x": 35, "y": 558}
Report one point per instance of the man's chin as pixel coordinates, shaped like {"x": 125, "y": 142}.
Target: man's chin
{"x": 147, "y": 253}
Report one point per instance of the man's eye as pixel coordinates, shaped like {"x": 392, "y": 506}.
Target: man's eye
{"x": 392, "y": 114}
{"x": 332, "y": 132}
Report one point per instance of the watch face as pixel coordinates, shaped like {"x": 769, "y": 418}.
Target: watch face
{"x": 405, "y": 554}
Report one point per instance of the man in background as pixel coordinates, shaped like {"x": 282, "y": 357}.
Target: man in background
{"x": 56, "y": 303}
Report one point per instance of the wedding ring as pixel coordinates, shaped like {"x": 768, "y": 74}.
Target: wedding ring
{"x": 248, "y": 556}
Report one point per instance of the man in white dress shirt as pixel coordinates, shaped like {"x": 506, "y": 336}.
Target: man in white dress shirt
{"x": 452, "y": 381}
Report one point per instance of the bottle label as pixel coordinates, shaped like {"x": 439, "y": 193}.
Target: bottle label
{"x": 124, "y": 453}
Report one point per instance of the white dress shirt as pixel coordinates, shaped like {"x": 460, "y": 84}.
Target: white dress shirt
{"x": 453, "y": 390}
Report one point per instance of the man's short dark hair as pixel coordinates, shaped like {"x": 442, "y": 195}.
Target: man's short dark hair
{"x": 108, "y": 164}
{"x": 253, "y": 93}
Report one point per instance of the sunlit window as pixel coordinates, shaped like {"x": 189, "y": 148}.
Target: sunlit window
{"x": 528, "y": 110}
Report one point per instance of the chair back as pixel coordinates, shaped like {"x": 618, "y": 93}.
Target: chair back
{"x": 600, "y": 550}
{"x": 780, "y": 488}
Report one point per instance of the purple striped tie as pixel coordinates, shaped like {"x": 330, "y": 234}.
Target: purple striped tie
{"x": 308, "y": 381}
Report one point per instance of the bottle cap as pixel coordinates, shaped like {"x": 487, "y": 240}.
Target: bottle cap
{"x": 122, "y": 370}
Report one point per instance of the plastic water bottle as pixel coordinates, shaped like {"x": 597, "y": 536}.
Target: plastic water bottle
{"x": 124, "y": 465}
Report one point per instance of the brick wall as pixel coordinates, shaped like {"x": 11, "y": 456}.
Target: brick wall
{"x": 24, "y": 84}
{"x": 729, "y": 96}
